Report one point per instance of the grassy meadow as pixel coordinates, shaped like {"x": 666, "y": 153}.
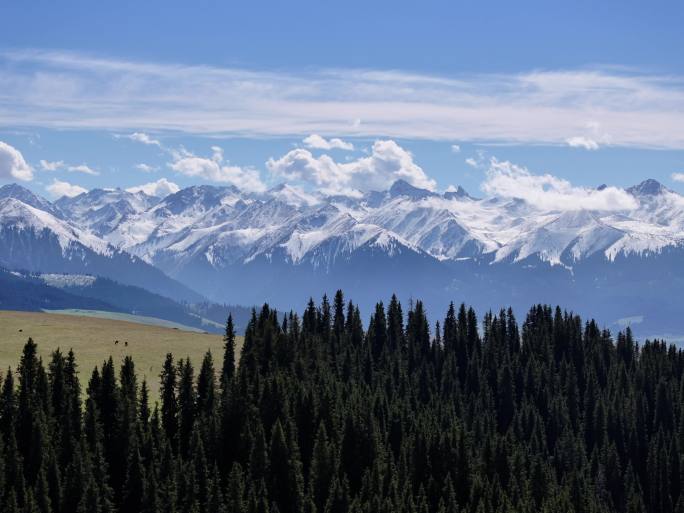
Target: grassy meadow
{"x": 92, "y": 340}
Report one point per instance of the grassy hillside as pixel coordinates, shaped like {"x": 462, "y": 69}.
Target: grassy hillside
{"x": 93, "y": 341}
{"x": 51, "y": 292}
{"x": 117, "y": 316}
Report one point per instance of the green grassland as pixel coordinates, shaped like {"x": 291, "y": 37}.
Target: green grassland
{"x": 118, "y": 316}
{"x": 93, "y": 341}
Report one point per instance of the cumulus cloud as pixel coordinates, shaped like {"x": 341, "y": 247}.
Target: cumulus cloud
{"x": 387, "y": 163}
{"x": 582, "y": 142}
{"x": 678, "y": 177}
{"x": 57, "y": 189}
{"x": 143, "y": 138}
{"x": 145, "y": 168}
{"x": 215, "y": 169}
{"x": 161, "y": 188}
{"x": 471, "y": 162}
{"x": 549, "y": 192}
{"x": 83, "y": 168}
{"x": 12, "y": 164}
{"x": 455, "y": 148}
{"x": 46, "y": 165}
{"x": 317, "y": 142}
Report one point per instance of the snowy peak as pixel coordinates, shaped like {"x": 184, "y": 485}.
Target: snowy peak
{"x": 198, "y": 198}
{"x": 22, "y": 194}
{"x": 97, "y": 198}
{"x": 459, "y": 193}
{"x": 101, "y": 210}
{"x": 224, "y": 226}
{"x": 19, "y": 216}
{"x": 293, "y": 196}
{"x": 403, "y": 188}
{"x": 649, "y": 187}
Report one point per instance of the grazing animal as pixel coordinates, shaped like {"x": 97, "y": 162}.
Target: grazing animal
{"x": 116, "y": 342}
{"x": 20, "y": 331}
{"x": 126, "y": 343}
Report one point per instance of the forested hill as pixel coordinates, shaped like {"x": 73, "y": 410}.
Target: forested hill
{"x": 323, "y": 415}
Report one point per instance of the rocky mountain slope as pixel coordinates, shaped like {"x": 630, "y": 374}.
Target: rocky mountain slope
{"x": 286, "y": 243}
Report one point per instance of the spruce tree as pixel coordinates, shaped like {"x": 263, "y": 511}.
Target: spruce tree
{"x": 169, "y": 402}
{"x": 228, "y": 368}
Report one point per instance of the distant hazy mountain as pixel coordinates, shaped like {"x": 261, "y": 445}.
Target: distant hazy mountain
{"x": 31, "y": 291}
{"x": 287, "y": 243}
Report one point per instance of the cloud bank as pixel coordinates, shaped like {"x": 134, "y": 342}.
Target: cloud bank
{"x": 142, "y": 137}
{"x": 215, "y": 169}
{"x": 67, "y": 90}
{"x": 315, "y": 141}
{"x": 548, "y": 192}
{"x": 57, "y": 189}
{"x": 161, "y": 188}
{"x": 12, "y": 164}
{"x": 387, "y": 163}
{"x": 582, "y": 142}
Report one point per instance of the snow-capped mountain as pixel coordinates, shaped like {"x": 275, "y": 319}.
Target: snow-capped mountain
{"x": 287, "y": 243}
{"x": 22, "y": 194}
{"x": 222, "y": 226}
{"x": 101, "y": 210}
{"x": 32, "y": 239}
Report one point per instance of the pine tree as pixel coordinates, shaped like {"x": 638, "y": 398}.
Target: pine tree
{"x": 169, "y": 402}
{"x": 322, "y": 469}
{"x": 284, "y": 482}
{"x": 134, "y": 492}
{"x": 206, "y": 388}
{"x": 555, "y": 416}
{"x": 186, "y": 405}
{"x": 228, "y": 368}
{"x": 235, "y": 494}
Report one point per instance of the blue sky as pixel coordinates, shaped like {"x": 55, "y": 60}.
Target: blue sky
{"x": 589, "y": 92}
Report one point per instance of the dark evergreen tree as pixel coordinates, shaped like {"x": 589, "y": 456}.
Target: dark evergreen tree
{"x": 169, "y": 401}
{"x": 326, "y": 417}
{"x": 228, "y": 368}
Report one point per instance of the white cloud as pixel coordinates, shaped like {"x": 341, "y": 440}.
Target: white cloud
{"x": 471, "y": 162}
{"x": 549, "y": 192}
{"x": 66, "y": 90}
{"x": 161, "y": 188}
{"x": 145, "y": 168}
{"x": 58, "y": 189}
{"x": 46, "y": 165}
{"x": 582, "y": 142}
{"x": 143, "y": 138}
{"x": 678, "y": 177}
{"x": 387, "y": 163}
{"x": 12, "y": 164}
{"x": 455, "y": 148}
{"x": 320, "y": 143}
{"x": 83, "y": 168}
{"x": 215, "y": 169}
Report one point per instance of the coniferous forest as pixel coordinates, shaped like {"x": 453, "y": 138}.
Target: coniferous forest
{"x": 324, "y": 415}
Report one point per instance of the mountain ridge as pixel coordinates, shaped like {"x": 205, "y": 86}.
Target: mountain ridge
{"x": 212, "y": 238}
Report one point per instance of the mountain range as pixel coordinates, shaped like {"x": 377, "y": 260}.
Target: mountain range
{"x": 624, "y": 265}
